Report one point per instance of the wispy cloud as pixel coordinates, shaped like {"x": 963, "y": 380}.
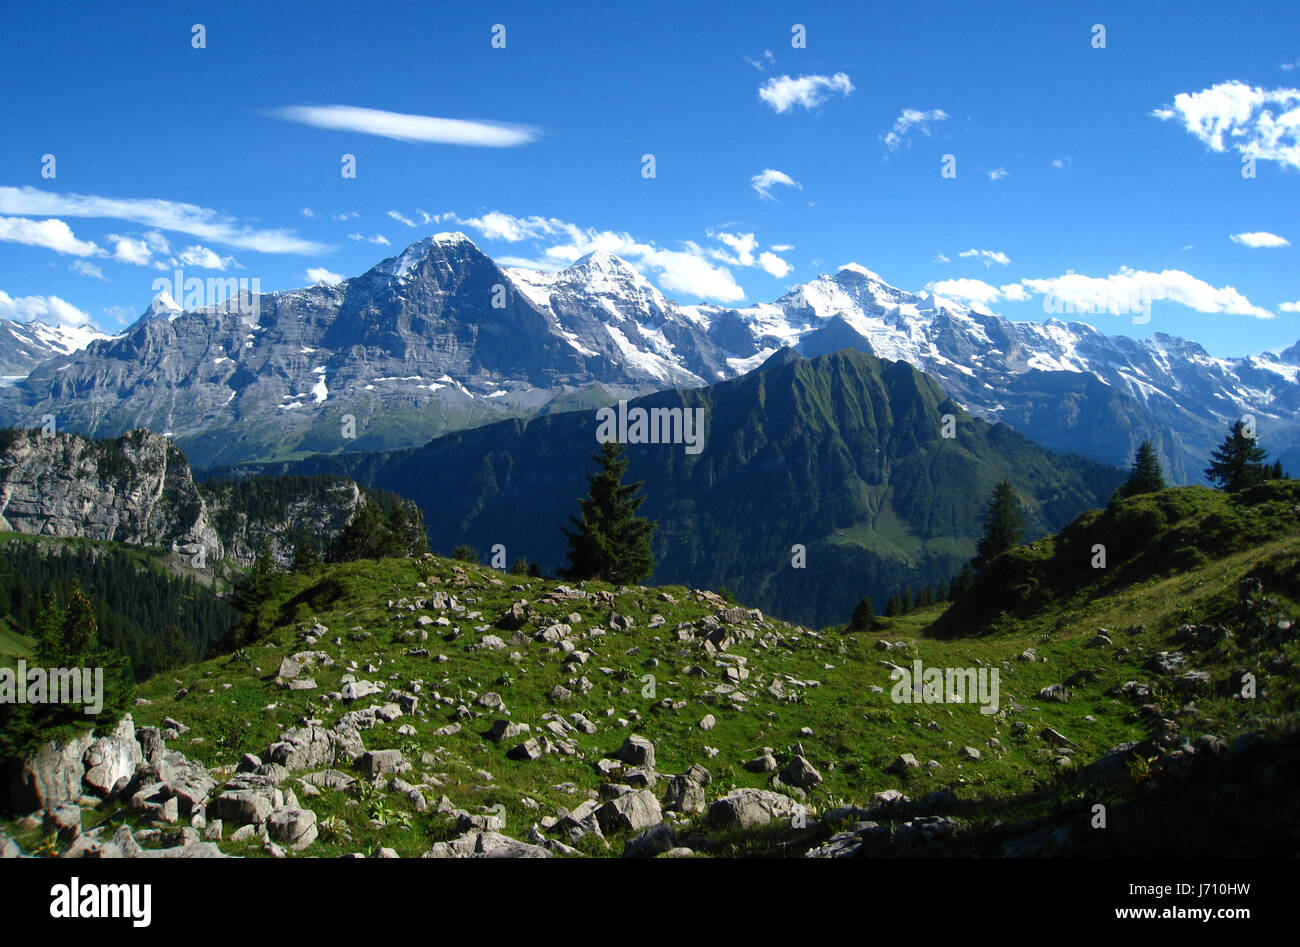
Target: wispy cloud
{"x": 1260, "y": 239}
{"x": 1117, "y": 293}
{"x": 205, "y": 259}
{"x": 378, "y": 238}
{"x": 987, "y": 257}
{"x": 403, "y": 127}
{"x": 997, "y": 174}
{"x": 86, "y": 268}
{"x": 400, "y": 219}
{"x": 909, "y": 119}
{"x": 161, "y": 214}
{"x": 762, "y": 63}
{"x": 783, "y": 93}
{"x": 768, "y": 178}
{"x": 1261, "y": 123}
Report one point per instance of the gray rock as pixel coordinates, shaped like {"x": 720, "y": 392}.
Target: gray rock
{"x": 633, "y": 811}
{"x": 799, "y": 772}
{"x": 64, "y": 821}
{"x": 111, "y": 761}
{"x": 902, "y": 764}
{"x": 293, "y": 827}
{"x": 651, "y": 842}
{"x": 636, "y": 751}
{"x": 376, "y": 762}
{"x": 52, "y": 776}
{"x": 748, "y": 807}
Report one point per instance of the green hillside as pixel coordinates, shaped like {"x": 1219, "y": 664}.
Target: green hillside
{"x": 1208, "y": 771}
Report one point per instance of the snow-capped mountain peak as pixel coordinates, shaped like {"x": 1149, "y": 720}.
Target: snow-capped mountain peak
{"x": 162, "y": 305}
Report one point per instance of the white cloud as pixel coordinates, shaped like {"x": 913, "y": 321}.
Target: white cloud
{"x": 971, "y": 290}
{"x": 987, "y": 257}
{"x": 318, "y": 274}
{"x": 1260, "y": 239}
{"x": 910, "y": 118}
{"x": 130, "y": 250}
{"x": 769, "y": 177}
{"x": 773, "y": 264}
{"x": 377, "y": 238}
{"x": 997, "y": 174}
{"x": 1254, "y": 121}
{"x": 940, "y": 258}
{"x": 165, "y": 215}
{"x": 400, "y": 219}
{"x": 86, "y": 268}
{"x": 782, "y": 247}
{"x": 783, "y": 92}
{"x": 51, "y": 234}
{"x": 498, "y": 226}
{"x": 1290, "y": 307}
{"x": 767, "y": 59}
{"x": 402, "y": 127}
{"x": 1126, "y": 290}
{"x": 205, "y": 259}
{"x": 1289, "y": 66}
{"x": 308, "y": 212}
{"x": 157, "y": 242}
{"x": 687, "y": 271}
{"x": 744, "y": 245}
{"x": 349, "y": 215}
{"x": 1060, "y": 163}
{"x": 48, "y": 309}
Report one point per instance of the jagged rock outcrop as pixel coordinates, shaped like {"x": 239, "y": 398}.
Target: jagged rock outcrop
{"x": 139, "y": 489}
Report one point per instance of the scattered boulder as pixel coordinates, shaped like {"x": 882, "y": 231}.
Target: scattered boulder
{"x": 632, "y": 811}
{"x": 293, "y": 827}
{"x": 748, "y": 807}
{"x": 636, "y": 751}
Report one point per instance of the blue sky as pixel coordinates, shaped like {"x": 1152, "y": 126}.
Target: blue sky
{"x": 1078, "y": 169}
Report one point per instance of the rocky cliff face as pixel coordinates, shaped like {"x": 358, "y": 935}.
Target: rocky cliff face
{"x": 138, "y": 489}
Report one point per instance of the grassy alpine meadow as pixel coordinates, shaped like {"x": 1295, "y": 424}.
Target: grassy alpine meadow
{"x": 1078, "y": 662}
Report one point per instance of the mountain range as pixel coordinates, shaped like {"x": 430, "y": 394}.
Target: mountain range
{"x": 440, "y": 338}
{"x": 820, "y": 480}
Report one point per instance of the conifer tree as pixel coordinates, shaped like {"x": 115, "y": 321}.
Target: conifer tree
{"x": 611, "y": 542}
{"x": 864, "y": 615}
{"x": 1238, "y": 463}
{"x": 1145, "y": 476}
{"x": 1003, "y": 525}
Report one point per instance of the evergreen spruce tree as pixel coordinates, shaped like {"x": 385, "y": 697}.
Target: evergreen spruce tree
{"x": 306, "y": 550}
{"x": 1238, "y": 463}
{"x": 864, "y": 615}
{"x": 611, "y": 542}
{"x": 407, "y": 538}
{"x": 961, "y": 582}
{"x": 1145, "y": 475}
{"x": 925, "y": 597}
{"x": 1003, "y": 525}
